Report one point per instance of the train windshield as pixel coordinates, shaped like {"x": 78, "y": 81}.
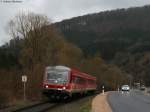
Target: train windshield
{"x": 57, "y": 77}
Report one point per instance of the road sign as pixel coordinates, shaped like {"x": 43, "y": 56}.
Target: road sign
{"x": 24, "y": 78}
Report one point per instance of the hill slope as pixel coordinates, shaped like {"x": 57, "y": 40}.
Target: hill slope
{"x": 110, "y": 32}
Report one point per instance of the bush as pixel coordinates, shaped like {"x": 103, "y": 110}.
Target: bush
{"x": 3, "y": 100}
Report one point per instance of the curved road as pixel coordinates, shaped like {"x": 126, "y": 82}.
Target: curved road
{"x": 134, "y": 101}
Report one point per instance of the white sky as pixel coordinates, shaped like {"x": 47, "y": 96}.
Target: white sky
{"x": 58, "y": 10}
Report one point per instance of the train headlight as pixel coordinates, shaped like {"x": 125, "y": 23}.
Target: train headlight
{"x": 64, "y": 87}
{"x": 46, "y": 86}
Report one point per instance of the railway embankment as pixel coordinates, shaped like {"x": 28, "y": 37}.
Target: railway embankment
{"x": 100, "y": 103}
{"x": 21, "y": 105}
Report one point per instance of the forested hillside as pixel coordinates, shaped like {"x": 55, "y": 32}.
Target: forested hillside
{"x": 121, "y": 36}
{"x": 36, "y": 44}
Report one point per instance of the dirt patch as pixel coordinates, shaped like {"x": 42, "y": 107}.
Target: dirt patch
{"x": 100, "y": 104}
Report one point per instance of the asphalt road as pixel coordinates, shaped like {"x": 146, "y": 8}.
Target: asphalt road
{"x": 134, "y": 101}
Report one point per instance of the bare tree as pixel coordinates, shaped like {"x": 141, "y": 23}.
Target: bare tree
{"x": 23, "y": 23}
{"x": 36, "y": 33}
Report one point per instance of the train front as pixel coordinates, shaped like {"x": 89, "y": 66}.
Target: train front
{"x": 56, "y": 82}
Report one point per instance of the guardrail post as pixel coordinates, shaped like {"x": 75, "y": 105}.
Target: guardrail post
{"x": 103, "y": 91}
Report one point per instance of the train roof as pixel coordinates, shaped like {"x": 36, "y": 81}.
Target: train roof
{"x": 59, "y": 67}
{"x": 81, "y": 74}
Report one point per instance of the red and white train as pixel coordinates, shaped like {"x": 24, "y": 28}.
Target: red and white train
{"x": 63, "y": 82}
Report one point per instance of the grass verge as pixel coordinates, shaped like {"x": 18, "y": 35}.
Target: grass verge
{"x": 86, "y": 107}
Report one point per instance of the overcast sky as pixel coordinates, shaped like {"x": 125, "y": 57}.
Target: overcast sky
{"x": 58, "y": 10}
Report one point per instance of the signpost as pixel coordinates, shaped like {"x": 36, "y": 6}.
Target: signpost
{"x": 24, "y": 80}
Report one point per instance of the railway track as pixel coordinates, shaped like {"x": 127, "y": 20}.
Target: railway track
{"x": 46, "y": 106}
{"x": 41, "y": 107}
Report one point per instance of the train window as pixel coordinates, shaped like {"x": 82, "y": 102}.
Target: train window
{"x": 73, "y": 79}
{"x": 76, "y": 80}
{"x": 59, "y": 77}
{"x": 91, "y": 82}
{"x": 79, "y": 80}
